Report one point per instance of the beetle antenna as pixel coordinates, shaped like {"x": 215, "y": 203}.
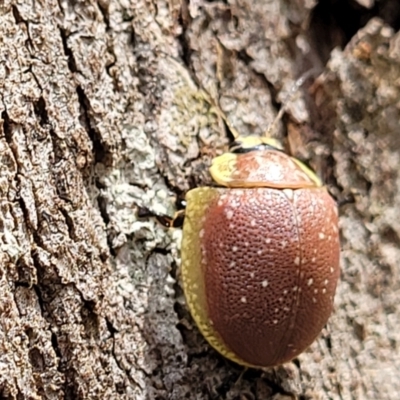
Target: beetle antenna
{"x": 289, "y": 97}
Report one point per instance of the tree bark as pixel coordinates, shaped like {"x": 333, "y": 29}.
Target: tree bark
{"x": 107, "y": 106}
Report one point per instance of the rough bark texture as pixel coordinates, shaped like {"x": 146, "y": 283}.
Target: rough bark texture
{"x": 102, "y": 108}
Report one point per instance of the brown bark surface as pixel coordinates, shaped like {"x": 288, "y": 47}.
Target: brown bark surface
{"x": 109, "y": 104}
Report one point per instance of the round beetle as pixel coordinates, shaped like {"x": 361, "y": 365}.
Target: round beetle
{"x": 260, "y": 254}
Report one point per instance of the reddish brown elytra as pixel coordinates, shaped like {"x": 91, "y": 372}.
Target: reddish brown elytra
{"x": 260, "y": 254}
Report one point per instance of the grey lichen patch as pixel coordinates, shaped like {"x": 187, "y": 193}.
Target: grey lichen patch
{"x": 142, "y": 264}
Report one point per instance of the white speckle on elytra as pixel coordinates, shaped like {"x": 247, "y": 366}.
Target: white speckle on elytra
{"x": 314, "y": 300}
{"x": 275, "y": 321}
{"x": 280, "y": 299}
{"x": 268, "y": 240}
{"x": 264, "y": 283}
{"x": 286, "y": 309}
{"x": 313, "y": 260}
{"x": 315, "y": 291}
{"x": 252, "y": 274}
{"x": 323, "y": 291}
{"x": 295, "y": 289}
{"x": 221, "y": 245}
{"x": 229, "y": 214}
{"x": 288, "y": 193}
{"x": 285, "y": 291}
{"x": 243, "y": 300}
{"x": 276, "y": 310}
{"x": 234, "y": 248}
{"x": 297, "y": 261}
{"x": 284, "y": 244}
{"x": 234, "y": 203}
{"x": 331, "y": 269}
{"x": 321, "y": 235}
{"x": 231, "y": 226}
{"x": 310, "y": 281}
{"x": 315, "y": 251}
{"x": 253, "y": 222}
{"x": 259, "y": 252}
{"x": 220, "y": 203}
{"x": 326, "y": 282}
{"x": 201, "y": 233}
{"x": 246, "y": 244}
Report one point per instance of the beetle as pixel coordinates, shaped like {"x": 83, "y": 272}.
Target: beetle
{"x": 260, "y": 254}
